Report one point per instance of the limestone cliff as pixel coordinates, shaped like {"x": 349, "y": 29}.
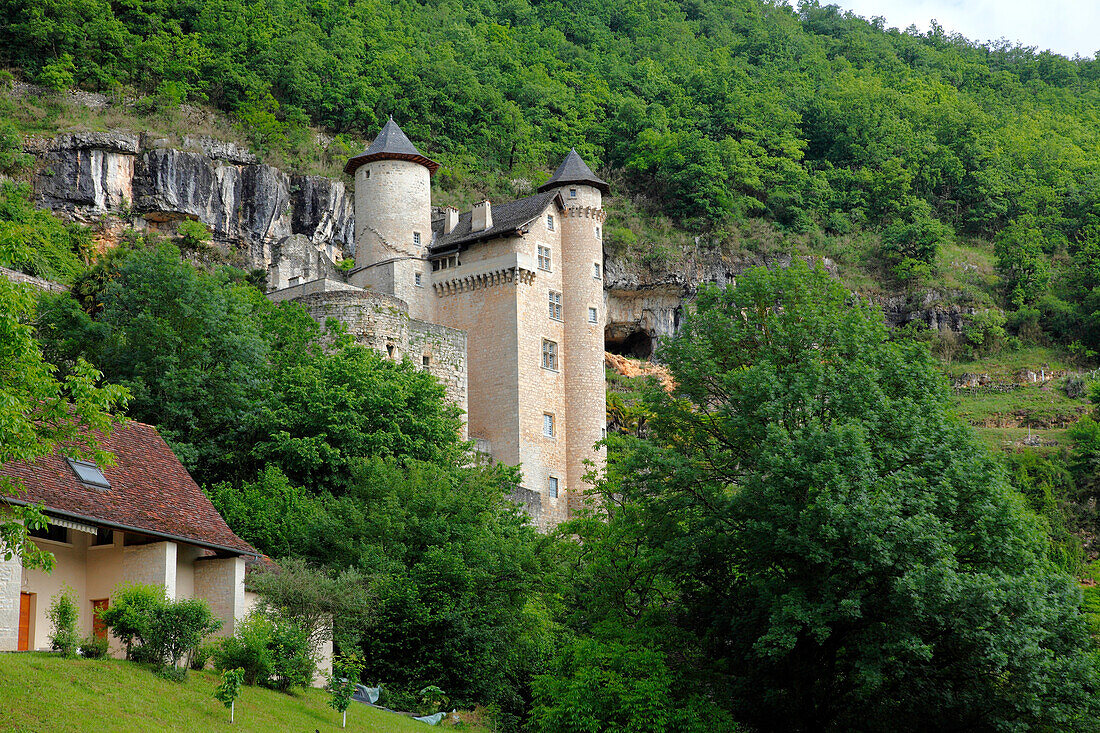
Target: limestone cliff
{"x": 250, "y": 207}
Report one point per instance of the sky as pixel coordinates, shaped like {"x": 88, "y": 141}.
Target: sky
{"x": 1067, "y": 27}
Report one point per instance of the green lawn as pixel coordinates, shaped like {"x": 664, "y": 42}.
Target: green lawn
{"x": 42, "y": 692}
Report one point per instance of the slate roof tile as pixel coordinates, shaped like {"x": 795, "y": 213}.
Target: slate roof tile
{"x": 507, "y": 219}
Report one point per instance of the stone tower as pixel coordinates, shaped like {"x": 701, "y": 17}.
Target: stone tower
{"x": 393, "y": 219}
{"x": 582, "y": 289}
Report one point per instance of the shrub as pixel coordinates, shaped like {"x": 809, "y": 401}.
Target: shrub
{"x": 94, "y": 647}
{"x": 272, "y": 651}
{"x": 175, "y": 627}
{"x": 128, "y": 616}
{"x": 63, "y": 613}
{"x": 200, "y": 656}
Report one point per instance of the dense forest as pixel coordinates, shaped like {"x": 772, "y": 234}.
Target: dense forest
{"x": 805, "y": 534}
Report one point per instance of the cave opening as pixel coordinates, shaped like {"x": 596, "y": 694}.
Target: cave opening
{"x": 636, "y": 344}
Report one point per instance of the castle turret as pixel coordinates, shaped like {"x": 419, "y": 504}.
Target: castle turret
{"x": 582, "y": 285}
{"x": 393, "y": 220}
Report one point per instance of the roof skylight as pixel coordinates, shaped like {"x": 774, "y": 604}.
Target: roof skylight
{"x": 89, "y": 473}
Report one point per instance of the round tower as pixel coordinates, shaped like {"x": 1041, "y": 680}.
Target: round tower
{"x": 393, "y": 219}
{"x": 584, "y": 315}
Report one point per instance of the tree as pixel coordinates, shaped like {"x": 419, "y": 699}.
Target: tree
{"x": 230, "y": 689}
{"x": 828, "y": 544}
{"x": 40, "y": 414}
{"x": 63, "y": 613}
{"x": 1021, "y": 262}
{"x": 346, "y": 669}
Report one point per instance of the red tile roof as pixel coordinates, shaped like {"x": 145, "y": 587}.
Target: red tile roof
{"x": 150, "y": 492}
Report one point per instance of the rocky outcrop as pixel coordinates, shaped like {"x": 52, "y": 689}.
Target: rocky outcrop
{"x": 250, "y": 207}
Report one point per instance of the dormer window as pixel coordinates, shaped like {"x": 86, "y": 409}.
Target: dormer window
{"x": 550, "y": 222}
{"x": 89, "y": 473}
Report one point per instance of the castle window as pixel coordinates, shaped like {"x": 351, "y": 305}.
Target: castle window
{"x": 549, "y": 355}
{"x": 593, "y": 316}
{"x": 368, "y": 173}
{"x": 555, "y": 305}
{"x": 572, "y": 193}
{"x": 597, "y": 232}
{"x": 419, "y": 280}
{"x": 550, "y": 222}
{"x": 552, "y": 487}
{"x": 426, "y": 361}
{"x": 548, "y": 425}
{"x": 390, "y": 350}
{"x": 596, "y": 270}
{"x": 544, "y": 258}
{"x": 416, "y": 238}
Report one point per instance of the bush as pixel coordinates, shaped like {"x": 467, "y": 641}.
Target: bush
{"x": 129, "y": 614}
{"x": 63, "y": 613}
{"x": 175, "y": 627}
{"x": 94, "y": 647}
{"x": 273, "y": 652}
{"x": 200, "y": 656}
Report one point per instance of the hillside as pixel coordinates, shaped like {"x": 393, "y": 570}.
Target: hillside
{"x": 86, "y": 695}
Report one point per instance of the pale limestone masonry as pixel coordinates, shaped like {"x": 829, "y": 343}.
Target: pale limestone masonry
{"x": 11, "y": 575}
{"x": 152, "y": 564}
{"x": 220, "y": 582}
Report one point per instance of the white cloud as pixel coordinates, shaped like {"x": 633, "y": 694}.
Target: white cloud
{"x": 1064, "y": 26}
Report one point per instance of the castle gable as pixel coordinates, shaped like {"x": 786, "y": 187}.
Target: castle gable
{"x": 508, "y": 219}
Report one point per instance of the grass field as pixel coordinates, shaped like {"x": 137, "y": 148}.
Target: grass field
{"x": 43, "y": 692}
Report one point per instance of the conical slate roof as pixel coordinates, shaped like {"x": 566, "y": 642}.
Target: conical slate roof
{"x": 574, "y": 170}
{"x": 391, "y": 144}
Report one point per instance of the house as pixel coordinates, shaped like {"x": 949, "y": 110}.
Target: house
{"x": 142, "y": 520}
{"x": 503, "y": 303}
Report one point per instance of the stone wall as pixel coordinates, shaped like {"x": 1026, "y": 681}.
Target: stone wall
{"x": 382, "y": 322}
{"x": 151, "y": 564}
{"x": 220, "y": 582}
{"x": 11, "y": 579}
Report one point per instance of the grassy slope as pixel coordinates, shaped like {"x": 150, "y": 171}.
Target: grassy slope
{"x": 42, "y": 692}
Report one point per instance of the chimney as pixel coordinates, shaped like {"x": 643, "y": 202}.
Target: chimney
{"x": 481, "y": 218}
{"x": 450, "y": 219}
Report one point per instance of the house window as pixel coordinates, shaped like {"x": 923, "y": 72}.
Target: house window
{"x": 572, "y": 193}
{"x": 596, "y": 270}
{"x": 103, "y": 537}
{"x": 549, "y": 355}
{"x": 552, "y": 487}
{"x": 544, "y": 258}
{"x": 54, "y": 532}
{"x": 593, "y": 316}
{"x": 416, "y": 238}
{"x": 550, "y": 222}
{"x": 89, "y": 473}
{"x": 555, "y": 305}
{"x": 419, "y": 280}
{"x": 548, "y": 425}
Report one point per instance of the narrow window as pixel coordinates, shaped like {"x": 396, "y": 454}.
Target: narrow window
{"x": 555, "y": 305}
{"x": 419, "y": 281}
{"x": 389, "y": 350}
{"x": 368, "y": 173}
{"x": 426, "y": 361}
{"x": 416, "y": 238}
{"x": 549, "y": 355}
{"x": 544, "y": 258}
{"x": 548, "y": 425}
{"x": 436, "y": 264}
{"x": 593, "y": 316}
{"x": 550, "y": 222}
{"x": 552, "y": 487}
{"x": 596, "y": 270}
{"x": 572, "y": 193}
{"x": 597, "y": 232}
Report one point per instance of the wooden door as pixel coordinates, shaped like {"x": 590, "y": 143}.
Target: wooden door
{"x": 98, "y": 627}
{"x": 24, "y": 622}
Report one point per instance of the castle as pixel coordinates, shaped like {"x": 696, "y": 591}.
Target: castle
{"x": 504, "y": 304}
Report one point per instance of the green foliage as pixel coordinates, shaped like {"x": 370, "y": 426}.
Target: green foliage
{"x": 1022, "y": 263}
{"x": 35, "y": 241}
{"x": 200, "y": 656}
{"x": 57, "y": 75}
{"x": 194, "y": 235}
{"x": 94, "y": 647}
{"x": 230, "y": 689}
{"x": 346, "y": 669}
{"x": 273, "y": 652}
{"x": 63, "y": 614}
{"x": 13, "y": 160}
{"x": 174, "y": 627}
{"x": 129, "y": 613}
{"x": 820, "y": 541}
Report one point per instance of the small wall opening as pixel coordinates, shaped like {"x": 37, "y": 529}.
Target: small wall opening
{"x": 637, "y": 344}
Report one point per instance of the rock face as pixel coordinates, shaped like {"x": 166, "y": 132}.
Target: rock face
{"x": 250, "y": 207}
